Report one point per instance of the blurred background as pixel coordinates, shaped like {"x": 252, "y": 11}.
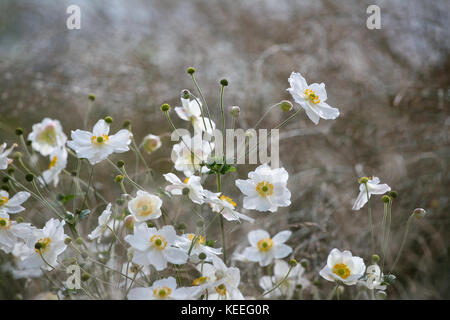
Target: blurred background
{"x": 391, "y": 86}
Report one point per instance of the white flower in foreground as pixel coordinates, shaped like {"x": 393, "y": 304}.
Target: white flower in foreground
{"x": 151, "y": 143}
{"x": 225, "y": 206}
{"x": 4, "y": 153}
{"x": 191, "y": 183}
{"x": 311, "y": 98}
{"x": 103, "y": 220}
{"x": 185, "y": 243}
{"x": 190, "y": 153}
{"x": 265, "y": 190}
{"x": 12, "y": 205}
{"x": 164, "y": 289}
{"x": 48, "y": 242}
{"x": 342, "y": 266}
{"x": 191, "y": 111}
{"x": 373, "y": 186}
{"x": 47, "y": 136}
{"x": 220, "y": 281}
{"x": 58, "y": 162}
{"x": 374, "y": 278}
{"x": 264, "y": 248}
{"x": 11, "y": 232}
{"x": 155, "y": 247}
{"x": 145, "y": 206}
{"x": 289, "y": 285}
{"x": 98, "y": 145}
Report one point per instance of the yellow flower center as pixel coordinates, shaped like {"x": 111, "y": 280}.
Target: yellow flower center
{"x": 100, "y": 139}
{"x": 313, "y": 97}
{"x": 158, "y": 242}
{"x": 265, "y": 244}
{"x": 3, "y": 201}
{"x": 228, "y": 199}
{"x": 221, "y": 289}
{"x": 199, "y": 281}
{"x": 144, "y": 207}
{"x": 53, "y": 162}
{"x": 200, "y": 239}
{"x": 48, "y": 135}
{"x": 341, "y": 270}
{"x": 162, "y": 292}
{"x": 44, "y": 243}
{"x": 264, "y": 188}
{"x": 5, "y": 223}
{"x": 186, "y": 180}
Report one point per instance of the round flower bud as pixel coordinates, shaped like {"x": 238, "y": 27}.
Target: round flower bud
{"x": 304, "y": 263}
{"x": 151, "y": 143}
{"x": 73, "y": 260}
{"x": 108, "y": 120}
{"x": 419, "y": 213}
{"x": 150, "y": 224}
{"x": 200, "y": 223}
{"x": 127, "y": 124}
{"x": 393, "y": 194}
{"x": 286, "y": 106}
{"x": 68, "y": 240}
{"x": 185, "y": 191}
{"x": 19, "y": 131}
{"x": 29, "y": 177}
{"x": 202, "y": 256}
{"x": 85, "y": 277}
{"x": 17, "y": 155}
{"x": 385, "y": 199}
{"x": 29, "y": 142}
{"x": 224, "y": 82}
{"x": 185, "y": 94}
{"x": 191, "y": 70}
{"x": 234, "y": 111}
{"x": 363, "y": 180}
{"x": 79, "y": 240}
{"x": 118, "y": 178}
{"x": 5, "y": 179}
{"x": 5, "y": 187}
{"x": 11, "y": 170}
{"x": 316, "y": 283}
{"x": 375, "y": 258}
{"x": 2, "y": 223}
{"x": 120, "y": 163}
{"x": 165, "y": 107}
{"x": 38, "y": 246}
{"x": 120, "y": 202}
{"x": 129, "y": 222}
{"x": 181, "y": 226}
{"x": 292, "y": 262}
{"x": 91, "y": 97}
{"x": 19, "y": 220}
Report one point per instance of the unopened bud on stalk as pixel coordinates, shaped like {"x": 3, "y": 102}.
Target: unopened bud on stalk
{"x": 129, "y": 222}
{"x": 29, "y": 177}
{"x": 385, "y": 199}
{"x": 120, "y": 163}
{"x": 202, "y": 256}
{"x": 118, "y": 178}
{"x": 304, "y": 263}
{"x": 68, "y": 240}
{"x": 151, "y": 143}
{"x": 165, "y": 107}
{"x": 182, "y": 226}
{"x": 363, "y": 180}
{"x": 19, "y": 131}
{"x": 375, "y": 258}
{"x": 150, "y": 224}
{"x": 108, "y": 120}
{"x": 19, "y": 220}
{"x": 185, "y": 191}
{"x": 393, "y": 194}
{"x": 85, "y": 277}
{"x": 127, "y": 124}
{"x": 224, "y": 82}
{"x": 185, "y": 94}
{"x": 91, "y": 97}
{"x": 79, "y": 240}
{"x": 419, "y": 213}
{"x": 341, "y": 289}
{"x": 17, "y": 155}
{"x": 286, "y": 106}
{"x": 234, "y": 111}
{"x": 292, "y": 262}
{"x": 191, "y": 70}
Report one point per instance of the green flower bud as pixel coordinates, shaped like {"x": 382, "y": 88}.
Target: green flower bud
{"x": 118, "y": 178}
{"x": 120, "y": 163}
{"x": 363, "y": 180}
{"x": 10, "y": 170}
{"x": 185, "y": 191}
{"x": 292, "y": 262}
{"x": 286, "y": 106}
{"x": 17, "y": 155}
{"x": 200, "y": 223}
{"x": 19, "y": 220}
{"x": 202, "y": 256}
{"x": 385, "y": 199}
{"x": 150, "y": 224}
{"x": 2, "y": 223}
{"x": 5, "y": 179}
{"x": 91, "y": 97}
{"x": 224, "y": 82}
{"x": 68, "y": 240}
{"x": 299, "y": 286}
{"x": 19, "y": 131}
{"x": 28, "y": 142}
{"x": 85, "y": 277}
{"x": 181, "y": 226}
{"x": 29, "y": 177}
{"x": 38, "y": 246}
{"x": 108, "y": 120}
{"x": 419, "y": 213}
{"x": 375, "y": 258}
{"x": 165, "y": 107}
{"x": 120, "y": 202}
{"x": 393, "y": 194}
{"x": 127, "y": 124}
{"x": 5, "y": 187}
{"x": 73, "y": 260}
{"x": 304, "y": 263}
{"x": 191, "y": 70}
{"x": 185, "y": 94}
{"x": 79, "y": 240}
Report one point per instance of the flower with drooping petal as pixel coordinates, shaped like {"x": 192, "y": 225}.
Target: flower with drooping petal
{"x": 191, "y": 183}
{"x": 145, "y": 206}
{"x": 373, "y": 187}
{"x": 151, "y": 143}
{"x": 343, "y": 267}
{"x": 289, "y": 285}
{"x": 164, "y": 289}
{"x": 13, "y": 205}
{"x": 374, "y": 278}
{"x": 185, "y": 243}
{"x": 4, "y": 153}
{"x": 190, "y": 153}
{"x": 155, "y": 247}
{"x": 47, "y": 136}
{"x": 191, "y": 111}
{"x": 12, "y": 232}
{"x": 103, "y": 220}
{"x": 58, "y": 162}
{"x": 266, "y": 189}
{"x": 265, "y": 249}
{"x": 311, "y": 98}
{"x": 98, "y": 145}
{"x": 225, "y": 206}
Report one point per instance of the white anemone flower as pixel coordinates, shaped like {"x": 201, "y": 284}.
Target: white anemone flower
{"x": 103, "y": 220}
{"x": 58, "y": 162}
{"x": 13, "y": 205}
{"x": 98, "y": 145}
{"x": 373, "y": 187}
{"x": 266, "y": 189}
{"x": 191, "y": 183}
{"x": 164, "y": 289}
{"x": 220, "y": 281}
{"x": 151, "y": 143}
{"x": 155, "y": 247}
{"x": 190, "y": 153}
{"x": 265, "y": 249}
{"x": 374, "y": 278}
{"x": 185, "y": 243}
{"x": 47, "y": 136}
{"x": 191, "y": 111}
{"x": 12, "y": 232}
{"x": 289, "y": 285}
{"x": 311, "y": 98}
{"x": 4, "y": 153}
{"x": 145, "y": 206}
{"x": 47, "y": 244}
{"x": 225, "y": 206}
{"x": 343, "y": 267}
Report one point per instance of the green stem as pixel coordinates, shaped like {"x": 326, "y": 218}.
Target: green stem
{"x": 408, "y": 223}
{"x": 372, "y": 233}
{"x": 222, "y": 229}
{"x": 279, "y": 283}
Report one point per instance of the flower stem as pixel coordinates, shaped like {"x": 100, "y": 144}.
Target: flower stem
{"x": 372, "y": 233}
{"x": 405, "y": 236}
{"x": 222, "y": 230}
{"x": 281, "y": 282}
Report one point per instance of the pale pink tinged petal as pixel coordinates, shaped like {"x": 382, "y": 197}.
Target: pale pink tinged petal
{"x": 326, "y": 112}
{"x": 256, "y": 235}
{"x": 181, "y": 113}
{"x": 281, "y": 251}
{"x": 100, "y": 128}
{"x": 282, "y": 236}
{"x": 360, "y": 200}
